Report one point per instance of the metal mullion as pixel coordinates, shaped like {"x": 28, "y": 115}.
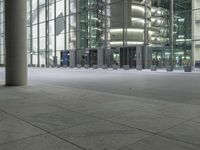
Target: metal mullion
{"x": 38, "y": 27}
{"x": 55, "y": 54}
{"x": 31, "y": 34}
{"x": 76, "y": 48}
{"x": 68, "y": 16}
{"x": 145, "y": 35}
{"x": 47, "y": 32}
{"x": 89, "y": 25}
{"x": 124, "y": 19}
{"x": 105, "y": 42}
{"x": 65, "y": 18}
{"x": 172, "y": 32}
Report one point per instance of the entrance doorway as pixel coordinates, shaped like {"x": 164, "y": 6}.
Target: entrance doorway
{"x": 128, "y": 57}
{"x": 91, "y": 57}
{"x": 65, "y": 57}
{"x": 158, "y": 58}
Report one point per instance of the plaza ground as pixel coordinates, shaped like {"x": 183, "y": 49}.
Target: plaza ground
{"x": 88, "y": 109}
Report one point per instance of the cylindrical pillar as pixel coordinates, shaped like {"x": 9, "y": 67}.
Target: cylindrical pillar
{"x": 16, "y": 42}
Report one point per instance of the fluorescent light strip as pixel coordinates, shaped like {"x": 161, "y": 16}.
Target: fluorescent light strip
{"x": 130, "y": 30}
{"x": 116, "y": 30}
{"x": 137, "y": 20}
{"x": 116, "y": 43}
{"x": 129, "y": 43}
{"x": 139, "y": 8}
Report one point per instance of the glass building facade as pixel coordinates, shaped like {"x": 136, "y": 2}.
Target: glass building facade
{"x": 106, "y": 32}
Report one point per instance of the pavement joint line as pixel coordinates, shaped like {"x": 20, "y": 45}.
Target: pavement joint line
{"x": 161, "y": 115}
{"x": 99, "y": 118}
{"x": 176, "y": 125}
{"x": 122, "y": 95}
{"x": 146, "y": 131}
{"x": 164, "y": 115}
{"x": 178, "y": 140}
{"x": 130, "y": 97}
{"x": 167, "y": 137}
{"x": 22, "y": 139}
{"x": 137, "y": 141}
{"x": 186, "y": 121}
{"x": 46, "y": 131}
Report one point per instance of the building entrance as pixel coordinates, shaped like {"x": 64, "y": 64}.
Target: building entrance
{"x": 91, "y": 57}
{"x": 128, "y": 56}
{"x": 65, "y": 58}
{"x": 160, "y": 58}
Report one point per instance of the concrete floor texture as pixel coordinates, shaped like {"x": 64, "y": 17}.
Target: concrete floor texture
{"x": 87, "y": 109}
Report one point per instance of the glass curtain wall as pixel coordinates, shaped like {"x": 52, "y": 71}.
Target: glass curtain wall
{"x": 161, "y": 50}
{"x": 91, "y": 24}
{"x": 182, "y": 33}
{"x": 59, "y": 27}
{"x": 51, "y": 30}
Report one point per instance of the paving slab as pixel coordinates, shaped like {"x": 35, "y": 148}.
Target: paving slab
{"x": 12, "y": 129}
{"x": 159, "y": 143}
{"x": 147, "y": 121}
{"x": 43, "y": 142}
{"x": 102, "y": 135}
{"x": 188, "y": 132}
{"x": 101, "y": 109}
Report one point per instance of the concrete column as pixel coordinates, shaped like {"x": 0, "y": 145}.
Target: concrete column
{"x": 100, "y": 58}
{"x": 139, "y": 55}
{"x": 72, "y": 58}
{"x": 147, "y": 57}
{"x": 16, "y": 42}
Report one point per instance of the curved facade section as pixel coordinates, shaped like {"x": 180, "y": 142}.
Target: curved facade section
{"x": 159, "y": 26}
{"x": 130, "y": 29}
{"x": 127, "y": 24}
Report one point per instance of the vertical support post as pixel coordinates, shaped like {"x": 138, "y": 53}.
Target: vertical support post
{"x": 47, "y": 32}
{"x": 72, "y": 59}
{"x": 100, "y": 59}
{"x": 172, "y": 32}
{"x": 55, "y": 35}
{"x": 145, "y": 35}
{"x": 78, "y": 54}
{"x": 31, "y": 34}
{"x": 125, "y": 9}
{"x": 38, "y": 33}
{"x": 16, "y": 42}
{"x": 106, "y": 36}
{"x": 124, "y": 19}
